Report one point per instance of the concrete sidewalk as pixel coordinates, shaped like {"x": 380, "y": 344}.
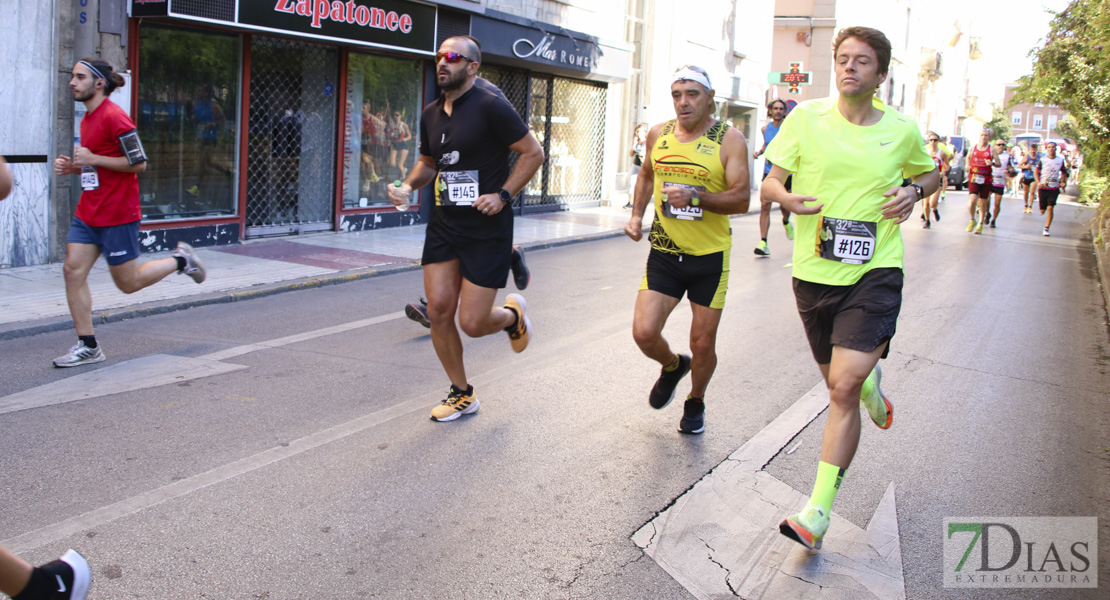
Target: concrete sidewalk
{"x": 33, "y": 300}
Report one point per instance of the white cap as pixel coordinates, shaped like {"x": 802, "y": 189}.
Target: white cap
{"x": 692, "y": 73}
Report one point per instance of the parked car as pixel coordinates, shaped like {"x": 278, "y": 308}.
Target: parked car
{"x": 957, "y": 174}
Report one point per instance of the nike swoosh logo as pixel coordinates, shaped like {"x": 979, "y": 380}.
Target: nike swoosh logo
{"x": 884, "y": 143}
{"x": 61, "y": 584}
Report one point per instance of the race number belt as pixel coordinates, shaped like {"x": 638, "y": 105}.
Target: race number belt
{"x": 690, "y": 213}
{"x": 89, "y": 179}
{"x": 845, "y": 240}
{"x": 459, "y": 188}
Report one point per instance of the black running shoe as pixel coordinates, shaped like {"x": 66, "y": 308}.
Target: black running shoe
{"x": 693, "y": 417}
{"x": 521, "y": 274}
{"x": 418, "y": 312}
{"x": 663, "y": 391}
{"x": 936, "y": 215}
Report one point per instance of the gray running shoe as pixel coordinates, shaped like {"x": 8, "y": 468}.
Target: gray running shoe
{"x": 79, "y": 355}
{"x": 193, "y": 267}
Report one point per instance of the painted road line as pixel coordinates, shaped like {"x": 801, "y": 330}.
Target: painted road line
{"x": 720, "y": 539}
{"x": 128, "y": 376}
{"x": 160, "y": 369}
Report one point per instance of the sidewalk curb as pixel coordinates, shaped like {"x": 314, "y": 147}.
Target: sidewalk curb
{"x": 1102, "y": 262}
{"x": 17, "y": 330}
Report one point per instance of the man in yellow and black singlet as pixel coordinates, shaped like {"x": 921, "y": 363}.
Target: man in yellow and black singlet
{"x": 695, "y": 173}
{"x": 848, "y": 250}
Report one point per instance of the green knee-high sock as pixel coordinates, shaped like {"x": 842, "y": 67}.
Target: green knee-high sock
{"x": 826, "y": 486}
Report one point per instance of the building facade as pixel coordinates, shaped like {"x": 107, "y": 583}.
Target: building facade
{"x": 1034, "y": 122}
{"x": 266, "y": 118}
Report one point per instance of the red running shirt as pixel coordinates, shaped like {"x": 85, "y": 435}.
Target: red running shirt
{"x": 981, "y": 160}
{"x": 116, "y": 201}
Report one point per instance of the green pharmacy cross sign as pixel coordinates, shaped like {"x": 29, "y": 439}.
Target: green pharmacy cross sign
{"x": 794, "y": 77}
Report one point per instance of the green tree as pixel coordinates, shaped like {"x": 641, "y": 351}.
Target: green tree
{"x": 1000, "y": 126}
{"x": 1072, "y": 70}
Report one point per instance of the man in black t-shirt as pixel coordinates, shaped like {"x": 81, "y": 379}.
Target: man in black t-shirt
{"x": 465, "y": 139}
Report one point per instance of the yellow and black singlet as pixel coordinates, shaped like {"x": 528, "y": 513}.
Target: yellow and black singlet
{"x": 695, "y": 164}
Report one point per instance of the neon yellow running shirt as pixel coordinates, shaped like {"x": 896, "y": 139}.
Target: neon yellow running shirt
{"x": 694, "y": 164}
{"x": 847, "y": 167}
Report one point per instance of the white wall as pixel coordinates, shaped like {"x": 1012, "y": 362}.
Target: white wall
{"x": 26, "y": 35}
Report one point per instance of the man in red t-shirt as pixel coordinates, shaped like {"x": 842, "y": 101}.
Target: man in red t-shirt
{"x": 980, "y": 160}
{"x": 108, "y": 158}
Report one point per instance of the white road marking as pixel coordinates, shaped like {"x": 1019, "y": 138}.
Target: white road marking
{"x": 720, "y": 539}
{"x": 127, "y": 376}
{"x": 160, "y": 369}
{"x": 74, "y": 525}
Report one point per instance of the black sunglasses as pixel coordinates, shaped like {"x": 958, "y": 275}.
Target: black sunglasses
{"x": 452, "y": 57}
{"x": 934, "y": 139}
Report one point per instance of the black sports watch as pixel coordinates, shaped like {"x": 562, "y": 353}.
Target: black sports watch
{"x": 920, "y": 191}
{"x": 505, "y": 196}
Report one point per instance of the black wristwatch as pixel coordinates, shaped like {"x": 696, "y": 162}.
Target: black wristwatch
{"x": 505, "y": 196}
{"x": 920, "y": 191}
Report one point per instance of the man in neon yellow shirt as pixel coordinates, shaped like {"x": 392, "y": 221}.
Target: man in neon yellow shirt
{"x": 695, "y": 174}
{"x": 850, "y": 201}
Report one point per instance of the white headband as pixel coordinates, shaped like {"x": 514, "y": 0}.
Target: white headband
{"x": 96, "y": 72}
{"x": 689, "y": 74}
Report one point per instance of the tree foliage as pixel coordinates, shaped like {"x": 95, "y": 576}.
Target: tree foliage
{"x": 1000, "y": 126}
{"x": 1072, "y": 70}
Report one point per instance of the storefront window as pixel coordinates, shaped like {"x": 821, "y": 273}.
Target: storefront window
{"x": 382, "y": 129}
{"x": 188, "y": 85}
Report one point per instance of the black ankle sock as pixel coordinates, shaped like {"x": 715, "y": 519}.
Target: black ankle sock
{"x": 516, "y": 319}
{"x": 764, "y": 239}
{"x": 90, "y": 340}
{"x": 40, "y": 586}
{"x": 180, "y": 262}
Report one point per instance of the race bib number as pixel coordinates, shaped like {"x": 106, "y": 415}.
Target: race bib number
{"x": 89, "y": 179}
{"x": 846, "y": 241}
{"x": 690, "y": 213}
{"x": 980, "y": 179}
{"x": 459, "y": 188}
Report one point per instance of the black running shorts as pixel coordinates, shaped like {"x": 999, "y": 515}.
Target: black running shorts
{"x": 1048, "y": 197}
{"x": 482, "y": 244}
{"x": 704, "y": 279}
{"x": 860, "y": 316}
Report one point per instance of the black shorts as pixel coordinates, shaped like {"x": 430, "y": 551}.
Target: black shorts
{"x": 861, "y": 316}
{"x": 788, "y": 184}
{"x": 704, "y": 279}
{"x": 483, "y": 244}
{"x": 998, "y": 191}
{"x": 1048, "y": 197}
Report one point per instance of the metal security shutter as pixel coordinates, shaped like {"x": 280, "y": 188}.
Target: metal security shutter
{"x": 291, "y": 144}
{"x": 451, "y": 24}
{"x": 223, "y": 10}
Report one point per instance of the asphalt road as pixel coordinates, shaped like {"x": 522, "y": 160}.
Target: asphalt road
{"x": 312, "y": 470}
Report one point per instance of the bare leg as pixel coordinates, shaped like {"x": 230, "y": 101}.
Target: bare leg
{"x": 132, "y": 276}
{"x": 80, "y": 259}
{"x": 15, "y": 573}
{"x": 652, "y": 310}
{"x": 845, "y": 376}
{"x": 703, "y": 347}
